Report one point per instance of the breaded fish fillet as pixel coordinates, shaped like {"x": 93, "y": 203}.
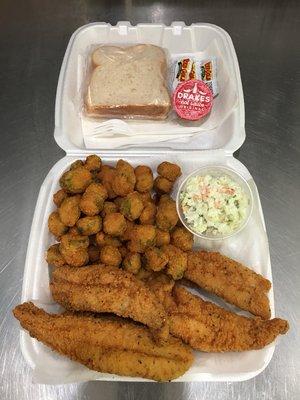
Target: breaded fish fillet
{"x": 106, "y": 344}
{"x": 208, "y": 327}
{"x": 100, "y": 288}
{"x": 162, "y": 285}
{"x": 230, "y": 280}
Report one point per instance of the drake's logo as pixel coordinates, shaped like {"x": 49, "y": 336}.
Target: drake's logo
{"x": 192, "y": 99}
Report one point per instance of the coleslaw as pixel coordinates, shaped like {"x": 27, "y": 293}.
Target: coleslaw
{"x": 214, "y": 205}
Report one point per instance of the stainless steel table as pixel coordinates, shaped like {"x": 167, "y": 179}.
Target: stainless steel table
{"x": 33, "y": 38}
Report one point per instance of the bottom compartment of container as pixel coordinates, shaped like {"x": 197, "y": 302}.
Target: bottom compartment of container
{"x": 250, "y": 247}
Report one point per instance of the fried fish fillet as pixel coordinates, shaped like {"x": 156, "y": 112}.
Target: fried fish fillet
{"x": 106, "y": 345}
{"x": 162, "y": 285}
{"x": 230, "y": 280}
{"x": 100, "y": 288}
{"x": 208, "y": 327}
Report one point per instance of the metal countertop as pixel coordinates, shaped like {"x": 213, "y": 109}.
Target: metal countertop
{"x": 33, "y": 40}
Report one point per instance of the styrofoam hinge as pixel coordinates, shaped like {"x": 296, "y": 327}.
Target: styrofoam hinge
{"x": 123, "y": 27}
{"x": 177, "y": 27}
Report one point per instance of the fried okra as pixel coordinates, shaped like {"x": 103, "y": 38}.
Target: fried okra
{"x": 166, "y": 216}
{"x": 124, "y": 180}
{"x": 93, "y": 163}
{"x": 108, "y": 208}
{"x": 169, "y": 170}
{"x": 82, "y": 203}
{"x": 131, "y": 206}
{"x": 114, "y": 224}
{"x": 110, "y": 255}
{"x": 147, "y": 216}
{"x": 93, "y": 199}
{"x": 162, "y": 185}
{"x": 59, "y": 197}
{"x": 117, "y": 201}
{"x": 89, "y": 225}
{"x": 94, "y": 253}
{"x": 106, "y": 176}
{"x": 146, "y": 197}
{"x": 162, "y": 237}
{"x": 74, "y": 230}
{"x": 141, "y": 238}
{"x": 106, "y": 240}
{"x": 74, "y": 242}
{"x": 182, "y": 238}
{"x": 73, "y": 248}
{"x": 127, "y": 234}
{"x": 123, "y": 251}
{"x": 144, "y": 178}
{"x": 76, "y": 164}
{"x": 69, "y": 211}
{"x": 132, "y": 262}
{"x": 144, "y": 275}
{"x": 56, "y": 226}
{"x": 53, "y": 256}
{"x": 177, "y": 263}
{"x": 155, "y": 259}
{"x": 76, "y": 180}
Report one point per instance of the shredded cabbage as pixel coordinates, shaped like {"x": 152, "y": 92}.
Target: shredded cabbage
{"x": 214, "y": 205}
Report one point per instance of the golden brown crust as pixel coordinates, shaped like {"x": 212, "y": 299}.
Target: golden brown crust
{"x": 169, "y": 170}
{"x": 105, "y": 344}
{"x": 230, "y": 280}
{"x": 177, "y": 261}
{"x": 208, "y": 327}
{"x": 101, "y": 288}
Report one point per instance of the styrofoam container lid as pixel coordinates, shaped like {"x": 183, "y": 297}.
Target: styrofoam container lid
{"x": 225, "y": 128}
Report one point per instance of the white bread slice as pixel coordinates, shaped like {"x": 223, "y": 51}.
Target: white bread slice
{"x": 128, "y": 82}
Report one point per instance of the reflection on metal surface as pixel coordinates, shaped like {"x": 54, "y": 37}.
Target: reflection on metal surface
{"x": 157, "y": 11}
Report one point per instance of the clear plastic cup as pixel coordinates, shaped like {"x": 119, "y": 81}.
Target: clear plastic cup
{"x": 216, "y": 171}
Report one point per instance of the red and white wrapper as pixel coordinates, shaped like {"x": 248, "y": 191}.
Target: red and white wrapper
{"x": 192, "y": 100}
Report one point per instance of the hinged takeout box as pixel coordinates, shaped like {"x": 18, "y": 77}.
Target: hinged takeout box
{"x": 213, "y": 146}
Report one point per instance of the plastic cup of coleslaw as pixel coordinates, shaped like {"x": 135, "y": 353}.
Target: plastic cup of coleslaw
{"x": 214, "y": 202}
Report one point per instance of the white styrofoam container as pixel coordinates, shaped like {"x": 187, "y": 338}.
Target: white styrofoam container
{"x": 250, "y": 246}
